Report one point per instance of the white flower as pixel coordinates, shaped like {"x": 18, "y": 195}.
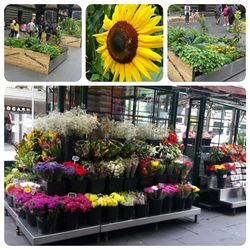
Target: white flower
{"x": 123, "y": 129}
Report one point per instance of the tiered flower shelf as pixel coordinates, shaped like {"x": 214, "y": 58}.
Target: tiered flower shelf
{"x": 38, "y": 239}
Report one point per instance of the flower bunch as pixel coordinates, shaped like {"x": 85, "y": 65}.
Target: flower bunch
{"x": 96, "y": 200}
{"x": 76, "y": 203}
{"x": 156, "y": 167}
{"x": 129, "y": 198}
{"x": 168, "y": 189}
{"x": 21, "y": 199}
{"x": 222, "y": 168}
{"x": 29, "y": 187}
{"x": 184, "y": 190}
{"x": 140, "y": 198}
{"x": 43, "y": 206}
{"x": 114, "y": 199}
{"x": 155, "y": 192}
{"x": 72, "y": 122}
{"x": 15, "y": 175}
{"x": 75, "y": 169}
{"x": 123, "y": 129}
{"x": 208, "y": 135}
{"x": 12, "y": 189}
{"x": 50, "y": 171}
{"x": 191, "y": 134}
{"x": 96, "y": 171}
{"x": 115, "y": 168}
{"x": 232, "y": 150}
{"x": 130, "y": 165}
{"x": 143, "y": 166}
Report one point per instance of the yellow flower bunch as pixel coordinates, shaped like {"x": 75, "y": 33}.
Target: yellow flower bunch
{"x": 9, "y": 186}
{"x": 223, "y": 49}
{"x": 219, "y": 167}
{"x": 27, "y": 189}
{"x": 195, "y": 189}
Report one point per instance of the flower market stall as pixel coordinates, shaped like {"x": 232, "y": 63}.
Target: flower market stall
{"x": 105, "y": 186}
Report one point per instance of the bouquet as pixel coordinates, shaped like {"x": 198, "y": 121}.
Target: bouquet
{"x": 114, "y": 199}
{"x": 96, "y": 200}
{"x": 224, "y": 168}
{"x": 156, "y": 167}
{"x": 140, "y": 198}
{"x": 155, "y": 192}
{"x": 115, "y": 168}
{"x": 130, "y": 165}
{"x": 129, "y": 198}
{"x": 50, "y": 171}
{"x": 78, "y": 171}
{"x": 168, "y": 189}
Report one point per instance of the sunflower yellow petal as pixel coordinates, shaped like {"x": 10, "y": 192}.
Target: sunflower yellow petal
{"x": 127, "y": 72}
{"x": 101, "y": 38}
{"x": 101, "y": 48}
{"x": 122, "y": 73}
{"x": 107, "y": 23}
{"x": 104, "y": 54}
{"x": 148, "y": 53}
{"x": 131, "y": 8}
{"x": 107, "y": 63}
{"x": 135, "y": 73}
{"x": 148, "y": 64}
{"x": 116, "y": 15}
{"x": 151, "y": 41}
{"x": 117, "y": 72}
{"x": 139, "y": 65}
{"x": 151, "y": 25}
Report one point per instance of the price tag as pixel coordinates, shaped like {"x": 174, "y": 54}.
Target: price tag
{"x": 71, "y": 194}
{"x": 75, "y": 158}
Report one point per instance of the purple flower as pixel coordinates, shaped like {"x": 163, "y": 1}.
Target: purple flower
{"x": 70, "y": 171}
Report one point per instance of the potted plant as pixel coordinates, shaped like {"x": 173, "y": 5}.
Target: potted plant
{"x": 221, "y": 171}
{"x": 74, "y": 206}
{"x": 145, "y": 179}
{"x": 169, "y": 190}
{"x": 115, "y": 170}
{"x": 20, "y": 200}
{"x": 97, "y": 175}
{"x": 29, "y": 207}
{"x": 141, "y": 205}
{"x": 112, "y": 209}
{"x": 52, "y": 173}
{"x": 157, "y": 169}
{"x": 11, "y": 191}
{"x": 77, "y": 180}
{"x": 98, "y": 202}
{"x": 182, "y": 192}
{"x": 127, "y": 206}
{"x": 191, "y": 197}
{"x": 155, "y": 197}
{"x": 130, "y": 180}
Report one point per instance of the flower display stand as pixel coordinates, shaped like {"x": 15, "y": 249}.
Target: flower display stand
{"x": 32, "y": 60}
{"x": 179, "y": 71}
{"x": 35, "y": 238}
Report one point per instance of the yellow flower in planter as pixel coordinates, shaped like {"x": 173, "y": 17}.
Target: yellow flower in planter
{"x": 126, "y": 45}
{"x": 195, "y": 189}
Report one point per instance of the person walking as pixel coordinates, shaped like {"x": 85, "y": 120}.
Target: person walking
{"x": 225, "y": 14}
{"x": 242, "y": 10}
{"x": 23, "y": 28}
{"x": 187, "y": 11}
{"x": 11, "y": 34}
{"x": 217, "y": 12}
{"x": 16, "y": 29}
{"x": 31, "y": 28}
{"x": 231, "y": 11}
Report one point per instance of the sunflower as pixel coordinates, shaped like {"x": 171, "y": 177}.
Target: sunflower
{"x": 126, "y": 45}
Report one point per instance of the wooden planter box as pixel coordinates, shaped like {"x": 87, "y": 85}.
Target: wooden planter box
{"x": 35, "y": 61}
{"x": 71, "y": 41}
{"x": 179, "y": 71}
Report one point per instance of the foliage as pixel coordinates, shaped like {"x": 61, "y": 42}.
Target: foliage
{"x": 33, "y": 44}
{"x": 94, "y": 63}
{"x": 71, "y": 27}
{"x": 176, "y": 8}
{"x": 202, "y": 60}
{"x": 16, "y": 175}
{"x": 203, "y": 24}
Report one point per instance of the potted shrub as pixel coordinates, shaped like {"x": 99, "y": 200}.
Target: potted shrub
{"x": 130, "y": 180}
{"x": 77, "y": 179}
{"x": 52, "y": 173}
{"x": 141, "y": 205}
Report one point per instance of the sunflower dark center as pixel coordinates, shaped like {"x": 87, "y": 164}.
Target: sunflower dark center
{"x": 122, "y": 42}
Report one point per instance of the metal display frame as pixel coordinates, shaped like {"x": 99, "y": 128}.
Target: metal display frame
{"x": 38, "y": 239}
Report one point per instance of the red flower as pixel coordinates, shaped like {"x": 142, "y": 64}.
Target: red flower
{"x": 172, "y": 138}
{"x": 80, "y": 170}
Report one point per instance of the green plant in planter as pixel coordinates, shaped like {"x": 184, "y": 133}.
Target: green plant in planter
{"x": 71, "y": 27}
{"x": 203, "y": 24}
{"x": 202, "y": 60}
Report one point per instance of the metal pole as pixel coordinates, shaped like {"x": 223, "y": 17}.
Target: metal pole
{"x": 134, "y": 104}
{"x": 32, "y": 106}
{"x": 61, "y": 96}
{"x": 237, "y": 123}
{"x": 188, "y": 125}
{"x": 198, "y": 151}
{"x": 172, "y": 121}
